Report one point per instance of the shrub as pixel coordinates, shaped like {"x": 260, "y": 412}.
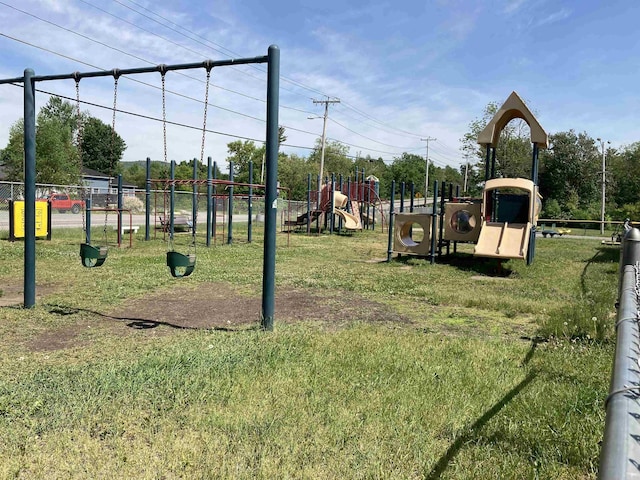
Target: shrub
{"x": 134, "y": 204}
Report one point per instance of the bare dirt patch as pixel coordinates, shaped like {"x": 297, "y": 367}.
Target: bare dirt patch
{"x": 220, "y": 306}
{"x": 13, "y": 293}
{"x": 217, "y": 306}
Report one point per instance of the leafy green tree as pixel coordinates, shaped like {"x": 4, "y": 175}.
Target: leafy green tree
{"x": 336, "y": 159}
{"x": 409, "y": 168}
{"x": 551, "y": 209}
{"x": 56, "y": 155}
{"x": 241, "y": 153}
{"x": 65, "y": 112}
{"x": 623, "y": 178}
{"x": 102, "y": 148}
{"x": 282, "y": 136}
{"x": 134, "y": 174}
{"x": 569, "y": 172}
{"x": 293, "y": 172}
{"x": 13, "y": 154}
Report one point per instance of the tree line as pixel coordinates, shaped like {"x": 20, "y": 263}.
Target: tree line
{"x": 60, "y": 130}
{"x": 570, "y": 170}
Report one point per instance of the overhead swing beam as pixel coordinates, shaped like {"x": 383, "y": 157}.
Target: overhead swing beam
{"x": 29, "y": 80}
{"x": 133, "y": 71}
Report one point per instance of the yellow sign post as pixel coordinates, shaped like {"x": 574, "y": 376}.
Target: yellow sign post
{"x": 16, "y": 220}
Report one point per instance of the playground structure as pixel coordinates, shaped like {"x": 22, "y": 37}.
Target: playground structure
{"x": 29, "y": 81}
{"x": 502, "y": 224}
{"x": 342, "y": 205}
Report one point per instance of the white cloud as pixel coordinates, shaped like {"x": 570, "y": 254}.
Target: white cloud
{"x": 554, "y": 17}
{"x": 512, "y": 6}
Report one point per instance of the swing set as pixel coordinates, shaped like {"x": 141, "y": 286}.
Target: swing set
{"x": 179, "y": 264}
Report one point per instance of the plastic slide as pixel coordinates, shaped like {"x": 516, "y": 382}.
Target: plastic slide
{"x": 503, "y": 240}
{"x": 351, "y": 222}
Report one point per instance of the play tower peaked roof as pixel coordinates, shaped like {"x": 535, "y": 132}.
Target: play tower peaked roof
{"x": 514, "y": 107}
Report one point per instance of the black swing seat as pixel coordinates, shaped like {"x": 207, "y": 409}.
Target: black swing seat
{"x": 92, "y": 256}
{"x": 178, "y": 261}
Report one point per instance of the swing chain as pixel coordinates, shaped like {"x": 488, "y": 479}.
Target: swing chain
{"x": 164, "y": 113}
{"x": 208, "y": 67}
{"x": 116, "y": 76}
{"x": 204, "y": 121}
{"x": 80, "y": 126}
{"x": 163, "y": 72}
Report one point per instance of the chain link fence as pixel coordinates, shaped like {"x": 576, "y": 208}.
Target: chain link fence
{"x": 134, "y": 200}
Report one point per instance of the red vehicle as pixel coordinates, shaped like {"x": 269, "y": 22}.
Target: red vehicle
{"x": 63, "y": 202}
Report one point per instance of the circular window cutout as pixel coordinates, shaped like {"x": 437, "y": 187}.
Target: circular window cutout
{"x": 463, "y": 221}
{"x": 412, "y": 234}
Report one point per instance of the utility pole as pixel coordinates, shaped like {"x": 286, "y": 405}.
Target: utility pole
{"x": 604, "y": 183}
{"x": 324, "y": 130}
{"x": 426, "y": 173}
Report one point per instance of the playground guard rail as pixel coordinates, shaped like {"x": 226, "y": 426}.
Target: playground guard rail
{"x": 620, "y": 453}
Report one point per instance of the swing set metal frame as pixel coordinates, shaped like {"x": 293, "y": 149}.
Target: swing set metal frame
{"x": 29, "y": 81}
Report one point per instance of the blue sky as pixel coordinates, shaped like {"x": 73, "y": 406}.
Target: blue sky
{"x": 402, "y": 70}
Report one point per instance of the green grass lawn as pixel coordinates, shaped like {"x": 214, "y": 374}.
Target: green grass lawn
{"x": 470, "y": 374}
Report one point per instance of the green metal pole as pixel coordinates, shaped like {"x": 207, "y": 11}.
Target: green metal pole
{"x": 147, "y": 200}
{"x": 318, "y": 203}
{"x": 250, "y": 200}
{"x": 412, "y": 190}
{"x": 390, "y": 243}
{"x": 209, "y": 193}
{"x": 308, "y": 203}
{"x": 269, "y": 259}
{"x": 368, "y": 184}
{"x": 29, "y": 189}
{"x": 194, "y": 199}
{"x": 214, "y": 223}
{"x": 87, "y": 233}
{"x": 340, "y": 219}
{"x": 534, "y": 177}
{"x": 172, "y": 199}
{"x": 487, "y": 164}
{"x": 332, "y": 206}
{"x": 434, "y": 224}
{"x": 230, "y": 213}
{"x": 120, "y": 207}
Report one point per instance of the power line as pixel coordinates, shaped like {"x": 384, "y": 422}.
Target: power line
{"x": 344, "y": 112}
{"x": 366, "y": 115}
{"x": 184, "y": 96}
{"x": 197, "y": 41}
{"x": 86, "y": 37}
{"x": 147, "y": 84}
{"x": 111, "y": 47}
{"x": 199, "y": 127}
{"x": 368, "y": 138}
{"x": 294, "y": 82}
{"x": 179, "y": 94}
{"x": 182, "y": 46}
